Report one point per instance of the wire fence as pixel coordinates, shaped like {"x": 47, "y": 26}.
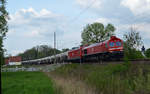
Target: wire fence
{"x": 46, "y": 68}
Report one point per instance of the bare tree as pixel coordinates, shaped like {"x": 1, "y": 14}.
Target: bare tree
{"x": 133, "y": 38}
{"x": 132, "y": 42}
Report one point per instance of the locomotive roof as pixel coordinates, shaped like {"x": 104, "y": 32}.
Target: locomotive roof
{"x": 96, "y": 44}
{"x": 74, "y": 48}
{"x": 92, "y": 45}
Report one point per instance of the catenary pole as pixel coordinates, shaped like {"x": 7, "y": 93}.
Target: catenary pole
{"x": 54, "y": 47}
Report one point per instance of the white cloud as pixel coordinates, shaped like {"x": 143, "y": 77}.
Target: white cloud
{"x": 138, "y": 7}
{"x": 104, "y": 21}
{"x": 35, "y": 23}
{"x": 11, "y": 32}
{"x": 42, "y": 13}
{"x": 33, "y": 33}
{"x": 96, "y": 4}
{"x": 101, "y": 20}
{"x": 28, "y": 28}
{"x": 142, "y": 28}
{"x": 45, "y": 12}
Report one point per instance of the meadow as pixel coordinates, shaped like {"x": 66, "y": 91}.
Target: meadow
{"x": 126, "y": 78}
{"x": 27, "y": 83}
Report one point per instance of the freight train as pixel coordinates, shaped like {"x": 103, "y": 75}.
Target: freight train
{"x": 107, "y": 50}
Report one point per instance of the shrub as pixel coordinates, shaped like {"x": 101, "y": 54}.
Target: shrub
{"x": 125, "y": 78}
{"x": 147, "y": 53}
{"x": 132, "y": 53}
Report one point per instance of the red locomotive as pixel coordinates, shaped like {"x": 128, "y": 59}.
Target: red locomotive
{"x": 110, "y": 49}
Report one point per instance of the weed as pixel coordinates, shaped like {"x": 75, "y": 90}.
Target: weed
{"x": 125, "y": 78}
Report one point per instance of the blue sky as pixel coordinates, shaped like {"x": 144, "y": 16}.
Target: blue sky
{"x": 33, "y": 22}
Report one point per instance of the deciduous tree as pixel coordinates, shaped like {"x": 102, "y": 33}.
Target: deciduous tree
{"x": 38, "y": 52}
{"x": 133, "y": 38}
{"x": 65, "y": 49}
{"x": 96, "y": 32}
{"x": 147, "y": 53}
{"x": 3, "y": 27}
{"x": 132, "y": 41}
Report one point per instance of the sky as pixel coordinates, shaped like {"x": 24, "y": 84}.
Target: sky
{"x": 33, "y": 22}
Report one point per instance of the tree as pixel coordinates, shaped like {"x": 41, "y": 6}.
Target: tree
{"x": 147, "y": 53}
{"x": 3, "y": 30}
{"x": 132, "y": 41}
{"x": 133, "y": 38}
{"x": 96, "y": 32}
{"x": 3, "y": 27}
{"x": 38, "y": 52}
{"x": 65, "y": 49}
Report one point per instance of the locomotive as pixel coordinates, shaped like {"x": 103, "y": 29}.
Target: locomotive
{"x": 107, "y": 50}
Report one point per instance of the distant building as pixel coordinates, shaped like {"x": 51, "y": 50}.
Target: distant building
{"x": 13, "y": 60}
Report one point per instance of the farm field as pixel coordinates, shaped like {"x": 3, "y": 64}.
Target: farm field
{"x": 124, "y": 78}
{"x": 26, "y": 83}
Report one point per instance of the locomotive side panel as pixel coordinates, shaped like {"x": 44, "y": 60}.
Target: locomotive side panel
{"x": 74, "y": 54}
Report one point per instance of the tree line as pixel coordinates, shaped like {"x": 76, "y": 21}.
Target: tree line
{"x": 40, "y": 52}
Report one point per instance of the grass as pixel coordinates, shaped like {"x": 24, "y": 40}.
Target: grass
{"x": 27, "y": 83}
{"x": 110, "y": 79}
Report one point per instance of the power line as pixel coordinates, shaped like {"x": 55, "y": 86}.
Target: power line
{"x": 84, "y": 10}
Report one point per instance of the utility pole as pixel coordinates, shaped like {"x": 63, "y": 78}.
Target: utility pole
{"x": 54, "y": 47}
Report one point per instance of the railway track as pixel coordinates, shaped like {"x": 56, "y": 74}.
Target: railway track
{"x": 137, "y": 61}
{"x": 141, "y": 61}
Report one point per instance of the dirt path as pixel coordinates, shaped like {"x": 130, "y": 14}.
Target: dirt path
{"x": 71, "y": 86}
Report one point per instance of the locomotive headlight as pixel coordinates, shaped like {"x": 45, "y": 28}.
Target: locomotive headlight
{"x": 110, "y": 51}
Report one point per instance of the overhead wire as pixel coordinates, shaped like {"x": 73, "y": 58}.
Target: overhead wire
{"x": 81, "y": 12}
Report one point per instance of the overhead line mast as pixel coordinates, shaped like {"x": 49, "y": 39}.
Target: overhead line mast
{"x": 55, "y": 46}
{"x": 74, "y": 19}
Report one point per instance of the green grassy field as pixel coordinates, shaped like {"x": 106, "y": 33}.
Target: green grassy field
{"x": 26, "y": 83}
{"x": 110, "y": 79}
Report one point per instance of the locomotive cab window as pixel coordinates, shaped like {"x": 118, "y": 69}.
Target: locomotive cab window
{"x": 85, "y": 51}
{"x": 111, "y": 44}
{"x": 118, "y": 43}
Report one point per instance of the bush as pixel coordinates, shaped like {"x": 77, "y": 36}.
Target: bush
{"x": 147, "y": 53}
{"x": 126, "y": 78}
{"x": 132, "y": 53}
